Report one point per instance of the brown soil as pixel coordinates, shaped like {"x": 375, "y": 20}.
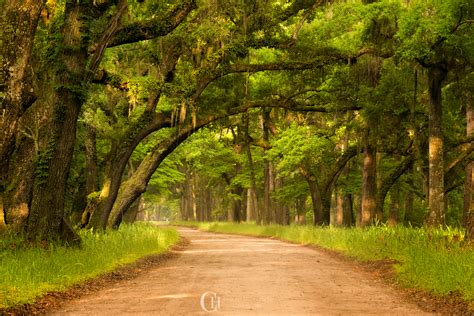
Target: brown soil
{"x": 250, "y": 276}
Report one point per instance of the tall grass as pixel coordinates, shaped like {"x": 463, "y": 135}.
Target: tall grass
{"x": 26, "y": 273}
{"x": 434, "y": 260}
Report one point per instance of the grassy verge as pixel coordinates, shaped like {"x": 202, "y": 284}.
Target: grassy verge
{"x": 433, "y": 260}
{"x": 27, "y": 273}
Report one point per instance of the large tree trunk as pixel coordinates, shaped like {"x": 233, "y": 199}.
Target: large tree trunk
{"x": 18, "y": 198}
{"x": 111, "y": 185}
{"x": 119, "y": 156}
{"x": 132, "y": 213}
{"x": 369, "y": 185}
{"x": 47, "y": 207}
{"x": 18, "y": 22}
{"x": 389, "y": 180}
{"x": 73, "y": 72}
{"x": 137, "y": 183}
{"x": 436, "y": 215}
{"x": 468, "y": 213}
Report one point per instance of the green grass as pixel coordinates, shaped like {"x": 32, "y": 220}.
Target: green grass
{"x": 27, "y": 273}
{"x": 436, "y": 261}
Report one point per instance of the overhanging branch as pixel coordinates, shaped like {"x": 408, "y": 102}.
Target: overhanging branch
{"x": 153, "y": 28}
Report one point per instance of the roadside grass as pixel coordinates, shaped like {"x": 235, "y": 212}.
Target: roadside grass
{"x": 27, "y": 273}
{"x": 435, "y": 260}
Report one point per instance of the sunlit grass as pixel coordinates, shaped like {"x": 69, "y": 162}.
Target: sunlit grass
{"x": 26, "y": 273}
{"x": 437, "y": 260}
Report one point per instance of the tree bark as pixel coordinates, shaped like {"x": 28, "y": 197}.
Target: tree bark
{"x": 120, "y": 155}
{"x": 251, "y": 205}
{"x": 436, "y": 215}
{"x": 369, "y": 185}
{"x": 131, "y": 214}
{"x": 389, "y": 180}
{"x": 18, "y": 22}
{"x": 137, "y": 183}
{"x": 72, "y": 74}
{"x": 17, "y": 198}
{"x": 47, "y": 207}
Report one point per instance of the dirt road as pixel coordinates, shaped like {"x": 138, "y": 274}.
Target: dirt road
{"x": 246, "y": 276}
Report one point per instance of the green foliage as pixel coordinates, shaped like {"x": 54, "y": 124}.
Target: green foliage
{"x": 426, "y": 28}
{"x": 27, "y": 272}
{"x": 433, "y": 260}
{"x": 43, "y": 160}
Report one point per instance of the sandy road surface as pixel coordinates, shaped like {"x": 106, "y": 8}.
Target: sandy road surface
{"x": 251, "y": 276}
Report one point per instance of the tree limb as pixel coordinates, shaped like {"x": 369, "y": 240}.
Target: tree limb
{"x": 153, "y": 28}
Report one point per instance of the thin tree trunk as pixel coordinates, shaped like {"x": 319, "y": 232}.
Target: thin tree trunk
{"x": 2, "y": 213}
{"x": 235, "y": 211}
{"x": 91, "y": 174}
{"x": 251, "y": 204}
{"x": 279, "y": 207}
{"x": 394, "y": 211}
{"x": 379, "y": 211}
{"x": 358, "y": 205}
{"x": 389, "y": 180}
{"x": 436, "y": 215}
{"x": 91, "y": 160}
{"x": 266, "y": 172}
{"x": 316, "y": 202}
{"x": 468, "y": 212}
{"x": 339, "y": 208}
{"x": 348, "y": 217}
{"x": 208, "y": 212}
{"x": 300, "y": 217}
{"x": 182, "y": 209}
{"x": 369, "y": 185}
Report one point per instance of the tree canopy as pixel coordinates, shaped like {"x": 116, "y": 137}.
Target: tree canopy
{"x": 335, "y": 112}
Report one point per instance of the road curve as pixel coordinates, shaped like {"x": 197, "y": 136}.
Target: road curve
{"x": 237, "y": 275}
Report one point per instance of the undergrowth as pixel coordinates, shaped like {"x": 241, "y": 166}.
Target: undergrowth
{"x": 28, "y": 272}
{"x": 436, "y": 260}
